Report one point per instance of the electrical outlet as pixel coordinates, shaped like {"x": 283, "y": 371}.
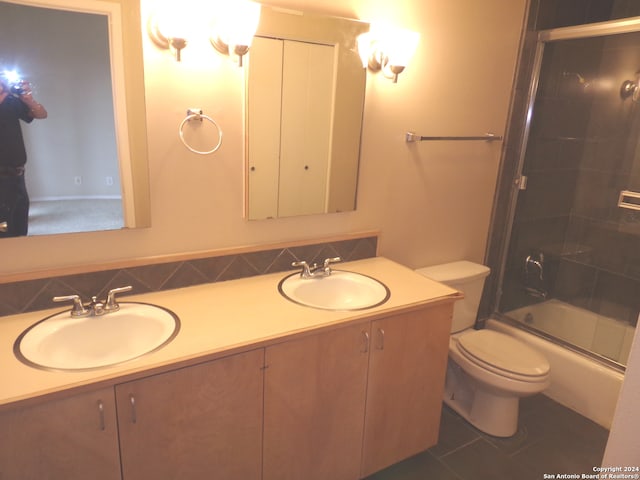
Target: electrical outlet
{"x": 109, "y": 181}
{"x": 77, "y": 180}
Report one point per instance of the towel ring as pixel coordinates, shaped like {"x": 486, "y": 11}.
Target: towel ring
{"x": 194, "y": 114}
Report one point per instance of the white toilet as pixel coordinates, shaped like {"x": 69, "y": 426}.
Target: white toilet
{"x": 487, "y": 371}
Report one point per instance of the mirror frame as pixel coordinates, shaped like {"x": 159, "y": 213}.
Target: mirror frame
{"x": 310, "y": 27}
{"x": 135, "y": 112}
{"x": 128, "y": 90}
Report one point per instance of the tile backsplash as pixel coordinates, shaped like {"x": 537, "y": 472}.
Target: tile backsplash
{"x": 31, "y": 295}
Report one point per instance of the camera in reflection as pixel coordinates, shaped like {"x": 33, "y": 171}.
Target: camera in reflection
{"x": 14, "y": 82}
{"x": 16, "y": 88}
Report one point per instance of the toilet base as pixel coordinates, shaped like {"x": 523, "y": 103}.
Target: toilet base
{"x": 490, "y": 412}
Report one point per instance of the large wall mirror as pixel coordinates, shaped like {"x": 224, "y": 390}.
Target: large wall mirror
{"x": 305, "y": 100}
{"x": 87, "y": 164}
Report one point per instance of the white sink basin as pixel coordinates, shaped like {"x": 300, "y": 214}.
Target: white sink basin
{"x": 339, "y": 291}
{"x": 63, "y": 342}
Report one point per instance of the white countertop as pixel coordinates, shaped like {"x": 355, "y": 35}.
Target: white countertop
{"x": 217, "y": 319}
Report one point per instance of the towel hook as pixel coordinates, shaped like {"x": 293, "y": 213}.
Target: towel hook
{"x": 196, "y": 114}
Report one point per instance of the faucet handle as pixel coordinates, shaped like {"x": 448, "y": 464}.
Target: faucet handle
{"x": 329, "y": 261}
{"x": 306, "y": 269}
{"x": 78, "y": 309}
{"x": 3, "y": 226}
{"x": 111, "y": 305}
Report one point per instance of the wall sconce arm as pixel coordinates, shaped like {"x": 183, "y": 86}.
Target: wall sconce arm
{"x": 388, "y": 50}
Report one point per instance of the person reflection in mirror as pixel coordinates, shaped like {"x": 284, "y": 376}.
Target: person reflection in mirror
{"x": 16, "y": 104}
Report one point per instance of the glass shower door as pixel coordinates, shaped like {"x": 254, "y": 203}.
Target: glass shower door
{"x": 572, "y": 269}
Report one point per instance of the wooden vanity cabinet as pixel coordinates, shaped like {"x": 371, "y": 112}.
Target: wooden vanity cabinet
{"x": 198, "y": 422}
{"x": 338, "y": 404}
{"x": 407, "y": 367}
{"x": 203, "y": 421}
{"x": 346, "y": 403}
{"x": 68, "y": 438}
{"x": 314, "y": 401}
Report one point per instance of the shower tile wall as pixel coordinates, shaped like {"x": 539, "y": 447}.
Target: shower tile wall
{"x": 577, "y": 161}
{"x": 563, "y": 13}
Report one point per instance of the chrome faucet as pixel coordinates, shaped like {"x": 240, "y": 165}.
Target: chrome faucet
{"x": 315, "y": 270}
{"x": 534, "y": 278}
{"x": 535, "y": 262}
{"x": 95, "y": 307}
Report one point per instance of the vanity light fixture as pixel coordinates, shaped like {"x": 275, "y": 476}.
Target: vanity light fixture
{"x": 235, "y": 27}
{"x": 169, "y": 30}
{"x": 388, "y": 50}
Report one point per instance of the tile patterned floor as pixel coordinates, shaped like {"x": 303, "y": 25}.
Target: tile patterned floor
{"x": 551, "y": 439}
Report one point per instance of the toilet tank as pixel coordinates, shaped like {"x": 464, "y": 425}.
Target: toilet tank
{"x": 467, "y": 277}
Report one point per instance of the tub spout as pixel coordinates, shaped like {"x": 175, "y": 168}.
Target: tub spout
{"x": 534, "y": 292}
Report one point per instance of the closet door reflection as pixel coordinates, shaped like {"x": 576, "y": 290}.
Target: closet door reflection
{"x": 290, "y": 119}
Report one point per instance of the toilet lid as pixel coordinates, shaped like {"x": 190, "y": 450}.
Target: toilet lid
{"x": 503, "y": 353}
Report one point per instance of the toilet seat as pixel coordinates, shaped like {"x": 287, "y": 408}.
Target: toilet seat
{"x": 503, "y": 355}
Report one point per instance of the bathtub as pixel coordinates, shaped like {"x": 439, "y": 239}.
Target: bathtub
{"x": 577, "y": 381}
{"x": 599, "y": 334}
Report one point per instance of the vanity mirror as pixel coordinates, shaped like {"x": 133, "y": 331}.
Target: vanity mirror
{"x": 305, "y": 99}
{"x": 87, "y": 162}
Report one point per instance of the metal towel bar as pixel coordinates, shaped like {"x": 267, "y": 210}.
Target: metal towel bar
{"x": 487, "y": 137}
{"x": 629, "y": 199}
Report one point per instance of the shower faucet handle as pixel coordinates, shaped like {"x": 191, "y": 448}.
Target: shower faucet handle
{"x": 538, "y": 263}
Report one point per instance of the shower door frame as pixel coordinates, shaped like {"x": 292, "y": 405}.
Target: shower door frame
{"x": 592, "y": 30}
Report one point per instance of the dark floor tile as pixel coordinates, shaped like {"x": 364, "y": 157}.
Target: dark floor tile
{"x": 535, "y": 403}
{"x": 551, "y": 439}
{"x": 557, "y": 420}
{"x": 559, "y": 456}
{"x": 526, "y": 435}
{"x": 455, "y": 432}
{"x": 420, "y": 467}
{"x": 571, "y": 444}
{"x": 481, "y": 460}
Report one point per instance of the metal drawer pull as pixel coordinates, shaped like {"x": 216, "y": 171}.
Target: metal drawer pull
{"x": 132, "y": 400}
{"x": 365, "y": 337}
{"x": 101, "y": 412}
{"x": 380, "y": 339}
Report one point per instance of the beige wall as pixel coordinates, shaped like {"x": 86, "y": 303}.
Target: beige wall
{"x": 430, "y": 201}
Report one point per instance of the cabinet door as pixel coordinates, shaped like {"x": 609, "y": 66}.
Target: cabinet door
{"x": 70, "y": 438}
{"x": 314, "y": 406}
{"x": 405, "y": 388}
{"x": 196, "y": 423}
